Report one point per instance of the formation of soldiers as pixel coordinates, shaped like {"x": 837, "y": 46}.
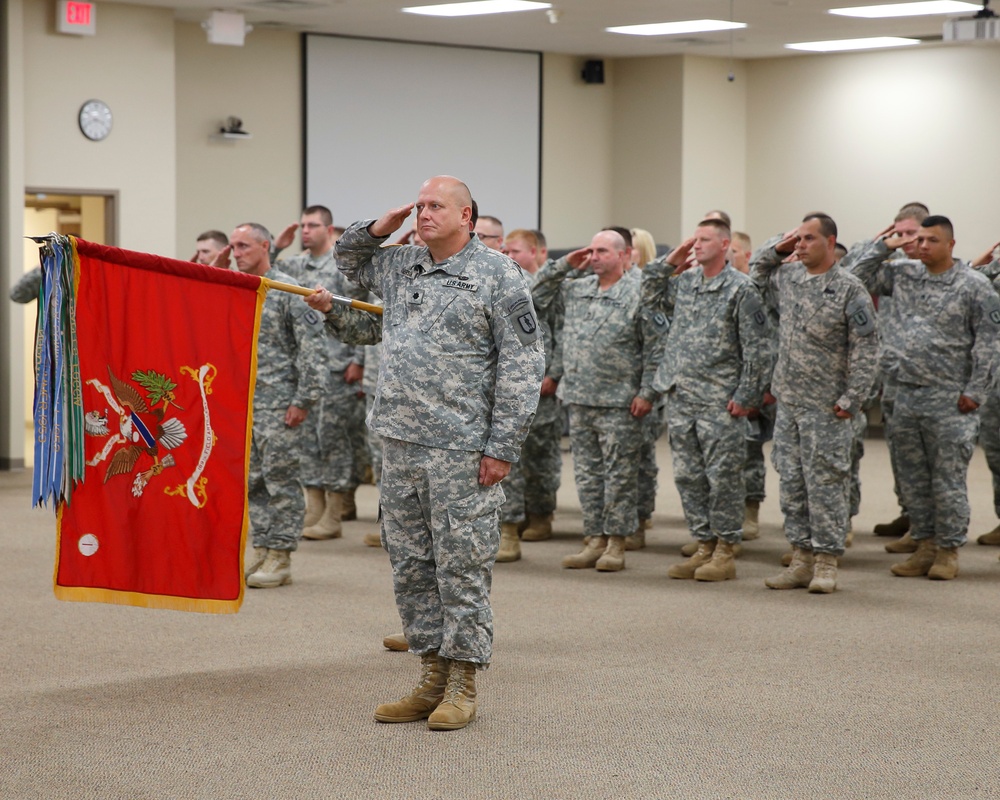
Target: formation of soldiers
{"x": 727, "y": 348}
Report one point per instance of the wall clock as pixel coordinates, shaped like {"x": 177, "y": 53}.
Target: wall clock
{"x": 95, "y": 120}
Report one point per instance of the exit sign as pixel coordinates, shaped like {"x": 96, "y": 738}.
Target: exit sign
{"x": 76, "y": 16}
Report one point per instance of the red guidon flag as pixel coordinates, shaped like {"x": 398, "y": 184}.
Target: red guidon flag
{"x": 167, "y": 363}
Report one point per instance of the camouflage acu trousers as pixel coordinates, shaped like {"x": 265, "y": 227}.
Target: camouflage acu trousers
{"x": 333, "y": 440}
{"x": 277, "y": 509}
{"x": 859, "y": 423}
{"x": 606, "y": 443}
{"x": 934, "y": 442}
{"x": 755, "y": 469}
{"x": 374, "y": 442}
{"x": 441, "y": 529}
{"x": 812, "y": 455}
{"x": 533, "y": 481}
{"x": 989, "y": 438}
{"x": 708, "y": 452}
{"x": 887, "y": 403}
{"x": 652, "y": 427}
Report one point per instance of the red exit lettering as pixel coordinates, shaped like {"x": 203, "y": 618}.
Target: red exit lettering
{"x": 78, "y": 13}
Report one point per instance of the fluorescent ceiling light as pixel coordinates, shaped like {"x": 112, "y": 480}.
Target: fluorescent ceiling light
{"x": 670, "y": 28}
{"x": 478, "y": 7}
{"x": 908, "y": 9}
{"x": 853, "y": 44}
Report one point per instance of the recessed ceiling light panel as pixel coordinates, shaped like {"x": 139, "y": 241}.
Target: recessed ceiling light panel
{"x": 477, "y": 7}
{"x": 925, "y": 8}
{"x": 673, "y": 28}
{"x": 870, "y": 43}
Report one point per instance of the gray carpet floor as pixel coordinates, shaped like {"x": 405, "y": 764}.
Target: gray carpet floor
{"x": 625, "y": 685}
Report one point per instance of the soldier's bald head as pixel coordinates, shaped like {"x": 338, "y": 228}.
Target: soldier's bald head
{"x": 453, "y": 186}
{"x": 612, "y": 239}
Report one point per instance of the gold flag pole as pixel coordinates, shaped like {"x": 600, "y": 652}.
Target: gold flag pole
{"x": 302, "y": 290}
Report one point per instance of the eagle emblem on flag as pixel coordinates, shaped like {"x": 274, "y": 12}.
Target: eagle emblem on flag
{"x": 144, "y": 429}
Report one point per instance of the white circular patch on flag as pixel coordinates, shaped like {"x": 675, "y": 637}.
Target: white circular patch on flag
{"x": 88, "y": 544}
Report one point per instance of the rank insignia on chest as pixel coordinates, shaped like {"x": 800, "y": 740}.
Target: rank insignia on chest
{"x": 759, "y": 317}
{"x": 995, "y": 316}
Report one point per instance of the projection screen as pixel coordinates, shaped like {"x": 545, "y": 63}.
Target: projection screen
{"x": 383, "y": 116}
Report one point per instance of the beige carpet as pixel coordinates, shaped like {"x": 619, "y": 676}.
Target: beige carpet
{"x": 625, "y": 685}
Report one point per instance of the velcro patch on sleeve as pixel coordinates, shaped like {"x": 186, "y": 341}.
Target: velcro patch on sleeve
{"x": 993, "y": 308}
{"x": 313, "y": 318}
{"x": 755, "y": 308}
{"x": 860, "y": 317}
{"x": 522, "y": 318}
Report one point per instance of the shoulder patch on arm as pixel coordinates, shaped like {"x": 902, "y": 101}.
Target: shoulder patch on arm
{"x": 521, "y": 316}
{"x": 992, "y": 307}
{"x": 860, "y": 317}
{"x": 755, "y": 308}
{"x": 313, "y": 318}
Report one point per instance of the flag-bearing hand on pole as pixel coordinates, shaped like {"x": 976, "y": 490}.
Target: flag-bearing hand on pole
{"x": 324, "y": 297}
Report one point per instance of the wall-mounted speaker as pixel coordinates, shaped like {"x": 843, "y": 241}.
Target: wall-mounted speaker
{"x": 593, "y": 71}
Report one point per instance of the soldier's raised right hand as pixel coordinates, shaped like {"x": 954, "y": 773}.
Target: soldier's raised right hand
{"x": 788, "y": 242}
{"x": 390, "y": 221}
{"x": 679, "y": 255}
{"x": 579, "y": 259}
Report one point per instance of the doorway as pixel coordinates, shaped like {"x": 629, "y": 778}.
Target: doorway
{"x": 88, "y": 215}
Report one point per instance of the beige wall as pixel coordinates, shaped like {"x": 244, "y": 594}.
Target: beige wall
{"x": 714, "y": 154}
{"x": 859, "y": 135}
{"x": 576, "y": 151}
{"x": 648, "y": 144}
{"x": 221, "y": 183}
{"x": 658, "y": 144}
{"x": 130, "y": 65}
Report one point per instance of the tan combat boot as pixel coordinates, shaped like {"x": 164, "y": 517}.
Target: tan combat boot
{"x": 945, "y": 566}
{"x": 275, "y": 571}
{"x": 919, "y": 563}
{"x": 702, "y": 555}
{"x": 798, "y": 574}
{"x": 786, "y": 558}
{"x": 372, "y": 538}
{"x": 824, "y": 579}
{"x": 896, "y": 528}
{"x": 350, "y": 508}
{"x": 539, "y": 528}
{"x": 751, "y": 523}
{"x": 510, "y": 545}
{"x": 613, "y": 558}
{"x": 458, "y": 708}
{"x": 315, "y": 503}
{"x": 253, "y": 563}
{"x": 329, "y": 526}
{"x": 992, "y": 538}
{"x": 690, "y": 548}
{"x": 425, "y": 697}
{"x": 903, "y": 545}
{"x": 593, "y": 549}
{"x": 721, "y": 567}
{"x": 397, "y": 642}
{"x": 637, "y": 540}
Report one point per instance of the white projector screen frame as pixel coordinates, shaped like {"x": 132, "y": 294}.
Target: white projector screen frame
{"x": 383, "y": 116}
